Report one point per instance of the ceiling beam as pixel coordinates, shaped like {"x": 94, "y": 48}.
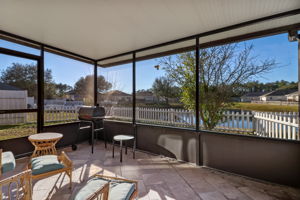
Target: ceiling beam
{"x": 224, "y": 41}
{"x": 34, "y": 44}
{"x": 224, "y": 29}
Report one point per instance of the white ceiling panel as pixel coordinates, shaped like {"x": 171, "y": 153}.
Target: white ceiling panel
{"x": 101, "y": 28}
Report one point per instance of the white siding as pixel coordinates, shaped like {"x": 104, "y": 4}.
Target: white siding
{"x": 13, "y": 99}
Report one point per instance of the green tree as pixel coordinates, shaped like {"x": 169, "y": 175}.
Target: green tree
{"x": 24, "y": 76}
{"x": 84, "y": 87}
{"x": 222, "y": 70}
{"x": 62, "y": 89}
{"x": 102, "y": 84}
{"x": 164, "y": 88}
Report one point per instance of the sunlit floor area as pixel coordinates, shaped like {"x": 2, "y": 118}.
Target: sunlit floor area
{"x": 159, "y": 178}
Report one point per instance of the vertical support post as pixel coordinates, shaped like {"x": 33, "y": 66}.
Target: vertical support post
{"x": 134, "y": 100}
{"x": 133, "y": 87}
{"x": 40, "y": 84}
{"x": 197, "y": 84}
{"x": 95, "y": 84}
{"x": 199, "y": 157}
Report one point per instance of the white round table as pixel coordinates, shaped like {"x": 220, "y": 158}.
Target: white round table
{"x": 44, "y": 143}
{"x": 121, "y": 138}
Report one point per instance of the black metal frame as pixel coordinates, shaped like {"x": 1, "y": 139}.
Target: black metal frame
{"x": 19, "y": 54}
{"x": 198, "y": 66}
{"x": 62, "y": 52}
{"x": 197, "y": 52}
{"x": 48, "y": 47}
{"x": 95, "y": 84}
{"x": 40, "y": 83}
{"x": 133, "y": 87}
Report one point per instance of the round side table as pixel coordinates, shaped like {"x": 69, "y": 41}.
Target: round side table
{"x": 44, "y": 143}
{"x": 125, "y": 138}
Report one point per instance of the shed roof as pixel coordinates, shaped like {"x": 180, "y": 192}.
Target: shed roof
{"x": 4, "y": 86}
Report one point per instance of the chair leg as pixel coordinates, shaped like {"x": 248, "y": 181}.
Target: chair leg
{"x": 133, "y": 149}
{"x": 105, "y": 142}
{"x": 70, "y": 176}
{"x": 121, "y": 151}
{"x": 1, "y": 193}
{"x": 105, "y": 195}
{"x": 126, "y": 147}
{"x": 113, "y": 151}
{"x": 93, "y": 137}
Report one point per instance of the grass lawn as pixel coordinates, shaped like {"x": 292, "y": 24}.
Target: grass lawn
{"x": 265, "y": 107}
{"x": 22, "y": 130}
{"x": 16, "y": 131}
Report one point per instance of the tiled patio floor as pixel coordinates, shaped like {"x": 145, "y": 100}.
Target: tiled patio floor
{"x": 159, "y": 178}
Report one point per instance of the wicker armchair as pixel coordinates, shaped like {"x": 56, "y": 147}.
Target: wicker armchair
{"x": 53, "y": 165}
{"x": 18, "y": 186}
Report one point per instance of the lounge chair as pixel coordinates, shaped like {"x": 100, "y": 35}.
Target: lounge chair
{"x": 109, "y": 188}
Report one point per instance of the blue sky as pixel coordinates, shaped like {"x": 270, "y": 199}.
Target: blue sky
{"x": 68, "y": 71}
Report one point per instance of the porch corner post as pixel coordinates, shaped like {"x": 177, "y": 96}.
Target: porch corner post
{"x": 95, "y": 83}
{"x": 40, "y": 84}
{"x": 133, "y": 87}
{"x": 134, "y": 98}
{"x": 197, "y": 85}
{"x": 199, "y": 157}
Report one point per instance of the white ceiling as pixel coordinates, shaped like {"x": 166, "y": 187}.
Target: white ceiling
{"x": 101, "y": 28}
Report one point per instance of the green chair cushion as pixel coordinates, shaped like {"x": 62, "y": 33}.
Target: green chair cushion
{"x": 8, "y": 161}
{"x": 120, "y": 190}
{"x": 90, "y": 188}
{"x": 43, "y": 164}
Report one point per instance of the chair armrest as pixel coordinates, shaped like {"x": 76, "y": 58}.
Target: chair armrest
{"x": 65, "y": 160}
{"x": 116, "y": 178}
{"x": 104, "y": 190}
{"x": 22, "y": 181}
{"x": 0, "y": 161}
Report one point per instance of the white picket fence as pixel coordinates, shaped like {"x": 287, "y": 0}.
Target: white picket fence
{"x": 180, "y": 117}
{"x": 267, "y": 124}
{"x": 281, "y": 125}
{"x": 55, "y": 113}
{"x": 277, "y": 125}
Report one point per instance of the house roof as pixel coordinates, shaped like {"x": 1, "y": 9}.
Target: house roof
{"x": 4, "y": 86}
{"x": 99, "y": 29}
{"x": 281, "y": 92}
{"x": 254, "y": 94}
{"x": 115, "y": 93}
{"x": 293, "y": 94}
{"x": 144, "y": 93}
